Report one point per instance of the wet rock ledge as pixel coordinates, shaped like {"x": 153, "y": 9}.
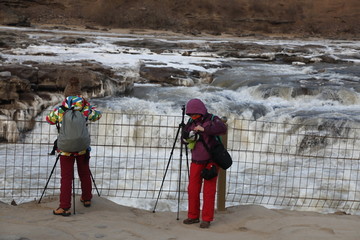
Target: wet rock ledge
{"x": 27, "y": 89}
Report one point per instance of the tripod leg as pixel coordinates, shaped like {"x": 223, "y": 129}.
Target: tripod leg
{"x": 181, "y": 125}
{"x": 52, "y": 171}
{"x": 162, "y": 182}
{"x": 167, "y": 167}
{"x": 92, "y": 177}
{"x": 179, "y": 186}
{"x": 74, "y": 192}
{"x": 187, "y": 160}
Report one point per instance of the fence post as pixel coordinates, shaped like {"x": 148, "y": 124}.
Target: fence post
{"x": 221, "y": 192}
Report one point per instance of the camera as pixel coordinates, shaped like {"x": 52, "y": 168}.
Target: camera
{"x": 54, "y": 148}
{"x": 209, "y": 173}
{"x": 193, "y": 136}
{"x": 190, "y": 136}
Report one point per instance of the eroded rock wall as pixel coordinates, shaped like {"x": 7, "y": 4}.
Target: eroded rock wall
{"x": 326, "y": 18}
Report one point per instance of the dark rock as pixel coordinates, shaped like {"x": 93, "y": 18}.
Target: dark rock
{"x": 154, "y": 45}
{"x": 12, "y": 87}
{"x": 173, "y": 76}
{"x": 14, "y": 40}
{"x": 10, "y": 17}
{"x": 69, "y": 40}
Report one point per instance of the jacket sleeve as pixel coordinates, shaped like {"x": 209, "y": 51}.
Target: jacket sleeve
{"x": 216, "y": 127}
{"x": 91, "y": 113}
{"x": 53, "y": 117}
{"x": 185, "y": 132}
{"x": 94, "y": 114}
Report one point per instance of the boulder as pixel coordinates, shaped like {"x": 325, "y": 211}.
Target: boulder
{"x": 173, "y": 76}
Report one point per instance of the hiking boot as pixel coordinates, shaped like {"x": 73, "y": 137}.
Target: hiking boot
{"x": 191, "y": 221}
{"x": 204, "y": 224}
{"x": 62, "y": 211}
{"x": 86, "y": 203}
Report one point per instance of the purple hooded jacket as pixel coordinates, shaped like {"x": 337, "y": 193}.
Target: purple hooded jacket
{"x": 212, "y": 126}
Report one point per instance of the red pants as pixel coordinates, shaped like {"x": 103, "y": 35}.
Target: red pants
{"x": 194, "y": 189}
{"x": 67, "y": 175}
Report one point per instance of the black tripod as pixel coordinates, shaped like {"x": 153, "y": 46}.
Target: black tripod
{"x": 52, "y": 171}
{"x": 180, "y": 128}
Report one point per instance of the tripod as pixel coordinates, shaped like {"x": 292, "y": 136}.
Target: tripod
{"x": 52, "y": 171}
{"x": 181, "y": 126}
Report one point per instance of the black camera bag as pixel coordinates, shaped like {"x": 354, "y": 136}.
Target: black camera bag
{"x": 219, "y": 154}
{"x": 209, "y": 173}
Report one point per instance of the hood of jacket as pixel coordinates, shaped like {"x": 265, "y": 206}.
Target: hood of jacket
{"x": 74, "y": 102}
{"x": 196, "y": 106}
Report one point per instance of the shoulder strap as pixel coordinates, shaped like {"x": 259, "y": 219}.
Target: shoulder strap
{"x": 57, "y": 123}
{"x": 217, "y": 137}
{"x": 63, "y": 108}
{"x": 205, "y": 145}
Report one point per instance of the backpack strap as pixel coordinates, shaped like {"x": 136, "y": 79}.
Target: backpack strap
{"x": 206, "y": 147}
{"x": 57, "y": 123}
{"x": 217, "y": 137}
{"x": 63, "y": 108}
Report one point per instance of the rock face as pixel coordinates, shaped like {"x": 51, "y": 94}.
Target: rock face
{"x": 26, "y": 90}
{"x": 12, "y": 18}
{"x": 326, "y": 18}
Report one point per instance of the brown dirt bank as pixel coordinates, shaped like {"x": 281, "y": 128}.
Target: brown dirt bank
{"x": 301, "y": 18}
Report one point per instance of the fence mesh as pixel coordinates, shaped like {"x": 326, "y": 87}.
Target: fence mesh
{"x": 295, "y": 165}
{"x": 134, "y": 156}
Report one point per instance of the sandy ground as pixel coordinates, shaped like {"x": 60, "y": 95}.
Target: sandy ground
{"x": 107, "y": 220}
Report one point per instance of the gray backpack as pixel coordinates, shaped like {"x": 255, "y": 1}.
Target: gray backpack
{"x": 73, "y": 135}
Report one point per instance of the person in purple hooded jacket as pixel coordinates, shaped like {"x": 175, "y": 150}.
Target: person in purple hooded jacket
{"x": 201, "y": 129}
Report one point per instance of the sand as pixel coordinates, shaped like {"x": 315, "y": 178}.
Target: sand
{"x": 108, "y": 220}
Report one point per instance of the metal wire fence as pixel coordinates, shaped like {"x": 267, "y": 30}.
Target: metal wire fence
{"x": 136, "y": 159}
{"x": 313, "y": 167}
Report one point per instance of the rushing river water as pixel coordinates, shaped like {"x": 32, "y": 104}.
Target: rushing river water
{"x": 313, "y": 78}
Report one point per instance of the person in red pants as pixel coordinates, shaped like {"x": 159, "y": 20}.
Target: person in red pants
{"x": 74, "y": 101}
{"x": 67, "y": 176}
{"x": 201, "y": 129}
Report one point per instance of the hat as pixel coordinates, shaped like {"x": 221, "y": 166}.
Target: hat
{"x": 73, "y": 87}
{"x": 196, "y": 106}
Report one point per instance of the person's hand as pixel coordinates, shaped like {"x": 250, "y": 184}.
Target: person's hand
{"x": 199, "y": 128}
